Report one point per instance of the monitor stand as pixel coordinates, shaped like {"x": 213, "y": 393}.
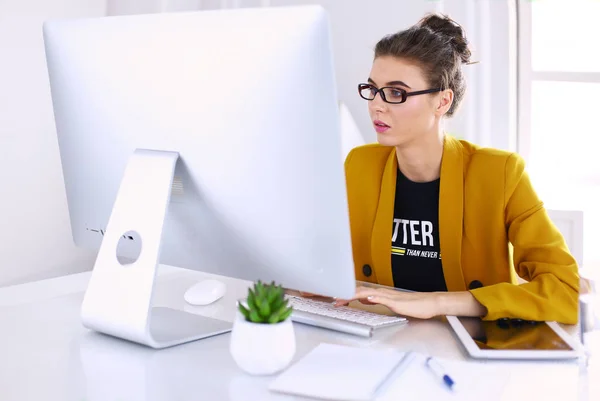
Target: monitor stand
{"x": 118, "y": 300}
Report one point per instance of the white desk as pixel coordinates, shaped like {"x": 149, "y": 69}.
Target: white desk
{"x": 45, "y": 353}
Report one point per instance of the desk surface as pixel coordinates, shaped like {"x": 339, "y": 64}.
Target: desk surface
{"x": 46, "y": 354}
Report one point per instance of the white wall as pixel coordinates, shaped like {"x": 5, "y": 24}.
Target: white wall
{"x": 127, "y": 7}
{"x": 356, "y": 27}
{"x": 35, "y": 238}
{"x": 488, "y": 113}
{"x": 489, "y": 110}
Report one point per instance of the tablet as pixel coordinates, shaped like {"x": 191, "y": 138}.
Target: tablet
{"x": 514, "y": 339}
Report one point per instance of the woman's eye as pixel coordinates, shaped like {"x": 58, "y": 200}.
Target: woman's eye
{"x": 396, "y": 93}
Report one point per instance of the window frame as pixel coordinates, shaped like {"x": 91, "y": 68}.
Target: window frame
{"x": 526, "y": 76}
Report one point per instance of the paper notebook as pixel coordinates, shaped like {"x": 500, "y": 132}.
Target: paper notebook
{"x": 339, "y": 372}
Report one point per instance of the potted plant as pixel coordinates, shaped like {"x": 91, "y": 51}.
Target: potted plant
{"x": 262, "y": 339}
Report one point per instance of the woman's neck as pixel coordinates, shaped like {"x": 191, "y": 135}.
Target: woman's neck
{"x": 421, "y": 161}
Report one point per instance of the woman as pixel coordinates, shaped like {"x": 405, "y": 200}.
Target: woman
{"x": 463, "y": 220}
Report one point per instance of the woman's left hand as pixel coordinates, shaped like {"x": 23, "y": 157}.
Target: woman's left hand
{"x": 422, "y": 305}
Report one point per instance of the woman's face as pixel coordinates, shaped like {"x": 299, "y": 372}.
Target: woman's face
{"x": 408, "y": 122}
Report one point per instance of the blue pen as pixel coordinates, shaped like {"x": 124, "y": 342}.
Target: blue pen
{"x": 438, "y": 370}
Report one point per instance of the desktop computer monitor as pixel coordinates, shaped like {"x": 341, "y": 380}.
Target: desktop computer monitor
{"x": 205, "y": 140}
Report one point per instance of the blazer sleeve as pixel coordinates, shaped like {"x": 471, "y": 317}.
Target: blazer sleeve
{"x": 540, "y": 256}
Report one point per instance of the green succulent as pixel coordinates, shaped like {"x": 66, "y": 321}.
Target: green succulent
{"x": 266, "y": 304}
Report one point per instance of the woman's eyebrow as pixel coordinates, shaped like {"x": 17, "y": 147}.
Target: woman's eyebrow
{"x": 391, "y": 83}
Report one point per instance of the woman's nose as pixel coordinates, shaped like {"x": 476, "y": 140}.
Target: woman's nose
{"x": 377, "y": 104}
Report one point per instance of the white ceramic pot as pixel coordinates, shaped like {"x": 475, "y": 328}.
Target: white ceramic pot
{"x": 260, "y": 348}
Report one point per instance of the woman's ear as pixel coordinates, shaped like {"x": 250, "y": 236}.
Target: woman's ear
{"x": 445, "y": 99}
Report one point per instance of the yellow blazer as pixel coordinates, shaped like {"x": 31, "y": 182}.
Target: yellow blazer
{"x": 492, "y": 227}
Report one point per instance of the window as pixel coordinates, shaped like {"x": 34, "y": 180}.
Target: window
{"x": 559, "y": 83}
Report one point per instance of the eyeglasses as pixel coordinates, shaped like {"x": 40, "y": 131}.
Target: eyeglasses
{"x": 390, "y": 94}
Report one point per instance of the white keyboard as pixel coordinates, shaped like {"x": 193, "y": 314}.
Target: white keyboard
{"x": 340, "y": 318}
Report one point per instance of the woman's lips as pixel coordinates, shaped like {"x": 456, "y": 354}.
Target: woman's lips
{"x": 380, "y": 126}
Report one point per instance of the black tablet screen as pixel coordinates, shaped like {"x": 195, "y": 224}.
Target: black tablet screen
{"x": 513, "y": 334}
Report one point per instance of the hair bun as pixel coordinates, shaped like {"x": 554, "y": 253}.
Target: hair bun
{"x": 445, "y": 26}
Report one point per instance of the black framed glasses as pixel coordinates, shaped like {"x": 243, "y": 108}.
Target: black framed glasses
{"x": 390, "y": 94}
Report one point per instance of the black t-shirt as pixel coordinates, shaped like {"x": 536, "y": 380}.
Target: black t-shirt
{"x": 416, "y": 259}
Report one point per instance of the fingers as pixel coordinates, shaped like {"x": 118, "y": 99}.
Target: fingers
{"x": 341, "y": 302}
{"x": 364, "y": 292}
{"x": 370, "y": 300}
{"x": 312, "y": 295}
{"x": 379, "y": 300}
{"x": 362, "y": 295}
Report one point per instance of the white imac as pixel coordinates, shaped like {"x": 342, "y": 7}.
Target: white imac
{"x": 204, "y": 140}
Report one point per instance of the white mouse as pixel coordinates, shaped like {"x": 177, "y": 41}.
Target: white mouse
{"x": 205, "y": 292}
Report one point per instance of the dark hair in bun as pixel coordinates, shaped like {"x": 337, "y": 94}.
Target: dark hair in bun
{"x": 440, "y": 46}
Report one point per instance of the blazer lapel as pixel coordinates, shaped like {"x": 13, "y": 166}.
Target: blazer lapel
{"x": 381, "y": 239}
{"x": 451, "y": 213}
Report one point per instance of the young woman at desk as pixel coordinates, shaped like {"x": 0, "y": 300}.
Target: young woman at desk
{"x": 450, "y": 208}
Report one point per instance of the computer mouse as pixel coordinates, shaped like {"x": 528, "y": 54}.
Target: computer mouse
{"x": 205, "y": 292}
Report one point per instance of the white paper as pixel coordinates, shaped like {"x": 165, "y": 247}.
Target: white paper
{"x": 341, "y": 372}
{"x": 473, "y": 381}
{"x": 338, "y": 372}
